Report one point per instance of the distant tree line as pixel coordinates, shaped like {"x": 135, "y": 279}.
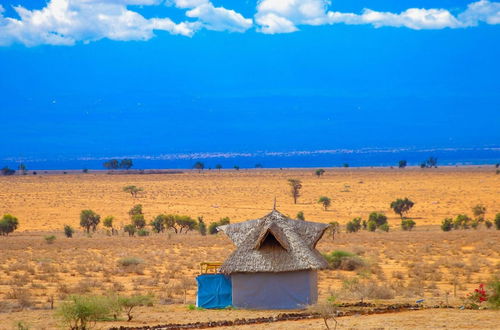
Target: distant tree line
{"x": 115, "y": 164}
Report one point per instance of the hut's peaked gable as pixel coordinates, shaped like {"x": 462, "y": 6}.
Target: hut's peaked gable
{"x": 274, "y": 243}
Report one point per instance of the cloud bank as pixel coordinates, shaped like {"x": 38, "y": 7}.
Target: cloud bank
{"x": 67, "y": 22}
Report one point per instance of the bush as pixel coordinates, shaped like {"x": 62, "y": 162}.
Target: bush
{"x": 130, "y": 229}
{"x": 142, "y": 232}
{"x": 79, "y": 312}
{"x": 89, "y": 220}
{"x": 494, "y": 293}
{"x": 384, "y": 227}
{"x": 202, "y": 227}
{"x": 407, "y": 224}
{"x": 8, "y": 224}
{"x": 136, "y": 209}
{"x": 158, "y": 223}
{"x": 139, "y": 221}
{"x": 354, "y": 225}
{"x": 488, "y": 224}
{"x": 344, "y": 260}
{"x": 300, "y": 216}
{"x": 7, "y": 171}
{"x": 447, "y": 224}
{"x": 379, "y": 218}
{"x": 68, "y": 231}
{"x": 371, "y": 225}
{"x": 461, "y": 221}
{"x": 50, "y": 239}
{"x": 130, "y": 261}
{"x": 212, "y": 228}
{"x": 497, "y": 221}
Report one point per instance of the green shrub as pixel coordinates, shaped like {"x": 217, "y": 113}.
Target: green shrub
{"x": 142, "y": 232}
{"x": 50, "y": 239}
{"x": 488, "y": 224}
{"x": 344, "y": 260}
{"x": 461, "y": 221}
{"x": 354, "y": 225}
{"x": 300, "y": 216}
{"x": 202, "y": 227}
{"x": 407, "y": 224}
{"x": 139, "y": 221}
{"x": 89, "y": 220}
{"x": 371, "y": 225}
{"x": 447, "y": 224}
{"x": 68, "y": 231}
{"x": 212, "y": 228}
{"x": 8, "y": 224}
{"x": 497, "y": 221}
{"x": 401, "y": 206}
{"x": 130, "y": 229}
{"x": 474, "y": 224}
{"x": 494, "y": 293}
{"x": 130, "y": 261}
{"x": 384, "y": 227}
{"x": 80, "y": 312}
{"x": 379, "y": 218}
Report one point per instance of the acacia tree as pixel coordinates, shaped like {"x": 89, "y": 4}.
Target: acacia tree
{"x": 8, "y": 224}
{"x": 319, "y": 172}
{"x": 325, "y": 201}
{"x": 112, "y": 164}
{"x": 158, "y": 223}
{"x": 402, "y": 206}
{"x": 89, "y": 220}
{"x": 22, "y": 169}
{"x": 402, "y": 163}
{"x": 295, "y": 186}
{"x": 185, "y": 222}
{"x": 218, "y": 166}
{"x": 133, "y": 190}
{"x": 199, "y": 166}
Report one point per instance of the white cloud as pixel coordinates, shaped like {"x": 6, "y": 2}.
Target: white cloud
{"x": 292, "y": 13}
{"x": 65, "y": 22}
{"x": 215, "y": 18}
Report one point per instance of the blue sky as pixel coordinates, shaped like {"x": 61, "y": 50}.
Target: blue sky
{"x": 155, "y": 77}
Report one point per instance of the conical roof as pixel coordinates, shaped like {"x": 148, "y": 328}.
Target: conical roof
{"x": 274, "y": 243}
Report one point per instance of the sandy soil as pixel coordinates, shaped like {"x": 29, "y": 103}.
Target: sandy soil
{"x": 48, "y": 202}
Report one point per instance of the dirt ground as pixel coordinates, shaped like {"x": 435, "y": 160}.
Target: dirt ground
{"x": 399, "y": 266}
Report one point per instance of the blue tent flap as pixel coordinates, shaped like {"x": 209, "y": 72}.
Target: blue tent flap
{"x": 214, "y": 291}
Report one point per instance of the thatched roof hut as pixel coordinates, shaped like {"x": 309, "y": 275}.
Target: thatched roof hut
{"x": 275, "y": 263}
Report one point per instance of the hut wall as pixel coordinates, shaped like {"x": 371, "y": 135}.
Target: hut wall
{"x": 285, "y": 290}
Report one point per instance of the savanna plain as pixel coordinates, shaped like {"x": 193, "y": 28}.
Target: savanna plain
{"x": 37, "y": 274}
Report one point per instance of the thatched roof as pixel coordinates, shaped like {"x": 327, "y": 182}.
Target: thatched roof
{"x": 274, "y": 243}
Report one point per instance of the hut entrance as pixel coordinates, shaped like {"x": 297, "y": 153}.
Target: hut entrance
{"x": 270, "y": 242}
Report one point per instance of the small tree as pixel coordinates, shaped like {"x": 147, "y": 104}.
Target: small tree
{"x": 185, "y": 222}
{"x": 325, "y": 201}
{"x": 462, "y": 221}
{"x": 384, "y": 227}
{"x": 8, "y": 224}
{"x": 236, "y": 167}
{"x": 212, "y": 228}
{"x": 300, "y": 216}
{"x": 334, "y": 228}
{"x": 139, "y": 221}
{"x": 133, "y": 190}
{"x": 258, "y": 165}
{"x": 126, "y": 163}
{"x": 447, "y": 224}
{"x": 68, "y": 231}
{"x": 89, "y": 220}
{"x": 319, "y": 172}
{"x": 218, "y": 167}
{"x": 129, "y": 303}
{"x": 402, "y": 164}
{"x": 108, "y": 223}
{"x": 7, "y": 171}
{"x": 158, "y": 223}
{"x": 371, "y": 225}
{"x": 130, "y": 229}
{"x": 202, "y": 227}
{"x": 170, "y": 222}
{"x": 402, "y": 206}
{"x": 345, "y": 165}
{"x": 479, "y": 211}
{"x": 23, "y": 169}
{"x": 295, "y": 186}
{"x": 199, "y": 166}
{"x": 136, "y": 209}
{"x": 112, "y": 164}
{"x": 431, "y": 162}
